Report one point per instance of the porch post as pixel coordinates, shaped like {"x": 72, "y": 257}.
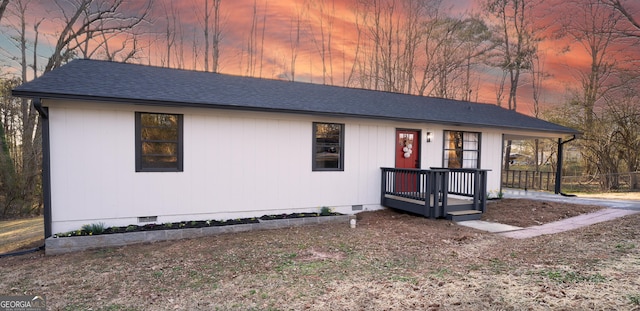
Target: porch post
{"x": 384, "y": 185}
{"x": 559, "y": 167}
{"x": 483, "y": 191}
{"x": 561, "y": 143}
{"x": 477, "y": 187}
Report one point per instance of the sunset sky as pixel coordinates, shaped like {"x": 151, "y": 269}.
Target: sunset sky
{"x": 562, "y": 57}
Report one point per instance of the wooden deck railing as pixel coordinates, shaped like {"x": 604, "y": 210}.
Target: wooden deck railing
{"x": 532, "y": 180}
{"x": 412, "y": 183}
{"x": 426, "y": 192}
{"x": 428, "y": 188}
{"x": 470, "y": 182}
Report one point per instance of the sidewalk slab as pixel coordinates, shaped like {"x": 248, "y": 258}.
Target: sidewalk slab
{"x": 492, "y": 227}
{"x": 547, "y": 196}
{"x": 569, "y": 223}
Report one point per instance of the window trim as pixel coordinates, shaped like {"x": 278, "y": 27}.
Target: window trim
{"x": 314, "y": 166}
{"x": 138, "y": 144}
{"x": 445, "y": 148}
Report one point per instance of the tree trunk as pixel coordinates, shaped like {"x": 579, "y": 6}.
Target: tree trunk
{"x": 507, "y": 156}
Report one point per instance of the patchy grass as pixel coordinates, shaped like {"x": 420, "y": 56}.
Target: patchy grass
{"x": 634, "y": 298}
{"x": 390, "y": 261}
{"x": 563, "y": 276}
{"x": 21, "y": 234}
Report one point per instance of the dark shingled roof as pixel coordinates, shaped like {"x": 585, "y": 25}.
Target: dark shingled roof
{"x": 139, "y": 84}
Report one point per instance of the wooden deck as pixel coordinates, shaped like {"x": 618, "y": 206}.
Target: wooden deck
{"x": 408, "y": 190}
{"x": 450, "y": 200}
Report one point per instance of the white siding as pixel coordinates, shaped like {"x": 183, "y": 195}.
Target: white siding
{"x": 236, "y": 164}
{"x": 491, "y": 158}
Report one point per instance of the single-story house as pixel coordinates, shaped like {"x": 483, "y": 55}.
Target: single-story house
{"x": 126, "y": 143}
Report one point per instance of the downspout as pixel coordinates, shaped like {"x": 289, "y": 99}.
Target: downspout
{"x": 43, "y": 112}
{"x": 46, "y": 164}
{"x": 559, "y": 168}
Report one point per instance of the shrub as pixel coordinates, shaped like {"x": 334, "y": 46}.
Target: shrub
{"x": 94, "y": 229}
{"x": 325, "y": 211}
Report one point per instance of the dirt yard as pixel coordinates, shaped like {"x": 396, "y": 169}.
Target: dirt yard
{"x": 391, "y": 261}
{"x": 526, "y": 213}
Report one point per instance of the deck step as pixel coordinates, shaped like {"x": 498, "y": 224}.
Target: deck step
{"x": 464, "y": 215}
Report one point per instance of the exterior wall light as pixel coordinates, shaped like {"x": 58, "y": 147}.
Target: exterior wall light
{"x": 429, "y": 135}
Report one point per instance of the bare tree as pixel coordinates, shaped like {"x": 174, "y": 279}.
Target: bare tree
{"x": 322, "y": 35}
{"x": 3, "y": 7}
{"x": 264, "y": 27}
{"x": 633, "y": 27}
{"x": 207, "y": 15}
{"x": 195, "y": 51}
{"x": 517, "y": 41}
{"x": 294, "y": 39}
{"x": 30, "y": 150}
{"x": 20, "y": 122}
{"x": 624, "y": 113}
{"x": 218, "y": 34}
{"x": 475, "y": 37}
{"x": 538, "y": 76}
{"x": 594, "y": 26}
{"x": 181, "y": 46}
{"x": 126, "y": 52}
{"x": 212, "y": 25}
{"x": 409, "y": 34}
{"x": 389, "y": 33}
{"x": 82, "y": 19}
{"x": 452, "y": 47}
{"x": 251, "y": 41}
{"x": 415, "y": 47}
{"x": 34, "y": 65}
{"x": 83, "y": 28}
{"x": 10, "y": 189}
{"x": 170, "y": 15}
{"x": 358, "y": 45}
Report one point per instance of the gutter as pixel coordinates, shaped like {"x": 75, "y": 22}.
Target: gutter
{"x": 37, "y": 103}
{"x": 238, "y": 107}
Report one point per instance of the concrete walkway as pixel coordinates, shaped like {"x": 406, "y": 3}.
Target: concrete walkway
{"x": 547, "y": 196}
{"x": 614, "y": 209}
{"x": 569, "y": 223}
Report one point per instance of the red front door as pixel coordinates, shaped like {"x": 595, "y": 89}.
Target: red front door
{"x": 407, "y": 156}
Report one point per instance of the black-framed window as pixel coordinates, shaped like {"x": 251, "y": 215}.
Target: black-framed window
{"x": 461, "y": 149}
{"x": 328, "y": 146}
{"x": 158, "y": 142}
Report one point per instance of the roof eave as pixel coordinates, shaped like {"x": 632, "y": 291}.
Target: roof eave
{"x": 159, "y": 103}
